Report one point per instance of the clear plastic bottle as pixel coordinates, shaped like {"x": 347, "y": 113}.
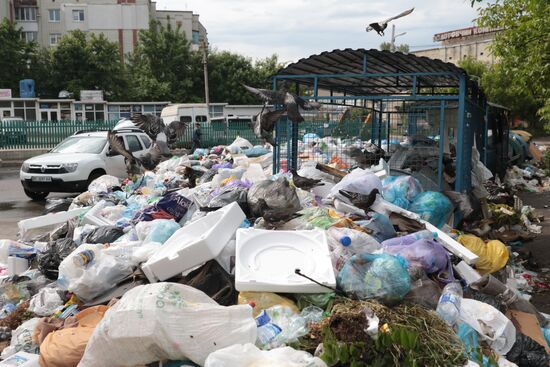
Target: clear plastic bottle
{"x": 360, "y": 242}
{"x": 83, "y": 258}
{"x": 340, "y": 252}
{"x": 410, "y": 238}
{"x": 448, "y": 307}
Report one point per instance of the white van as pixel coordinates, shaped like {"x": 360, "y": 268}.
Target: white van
{"x": 188, "y": 112}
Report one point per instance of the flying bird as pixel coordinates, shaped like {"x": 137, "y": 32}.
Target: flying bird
{"x": 359, "y": 200}
{"x": 134, "y": 165}
{"x": 161, "y": 134}
{"x": 381, "y": 26}
{"x": 291, "y": 102}
{"x": 263, "y": 124}
{"x": 304, "y": 183}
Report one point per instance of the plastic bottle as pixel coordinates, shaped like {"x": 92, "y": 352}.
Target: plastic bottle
{"x": 359, "y": 242}
{"x": 448, "y": 307}
{"x": 410, "y": 238}
{"x": 340, "y": 252}
{"x": 83, "y": 258}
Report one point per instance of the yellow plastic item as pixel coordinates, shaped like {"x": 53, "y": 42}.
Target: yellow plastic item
{"x": 265, "y": 300}
{"x": 493, "y": 255}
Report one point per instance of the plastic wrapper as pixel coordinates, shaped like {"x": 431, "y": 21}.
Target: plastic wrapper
{"x": 21, "y": 339}
{"x": 166, "y": 321}
{"x": 264, "y": 300}
{"x": 424, "y": 291}
{"x": 248, "y": 355}
{"x": 279, "y": 325}
{"x": 103, "y": 185}
{"x": 45, "y": 302}
{"x": 277, "y": 194}
{"x": 492, "y": 256}
{"x": 172, "y": 206}
{"x": 321, "y": 300}
{"x": 319, "y": 217}
{"x": 381, "y": 276}
{"x": 51, "y": 258}
{"x": 14, "y": 248}
{"x": 227, "y": 174}
{"x": 401, "y": 190}
{"x": 161, "y": 230}
{"x": 433, "y": 207}
{"x": 105, "y": 234}
{"x": 81, "y": 232}
{"x": 380, "y": 227}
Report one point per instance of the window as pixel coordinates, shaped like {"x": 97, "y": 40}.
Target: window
{"x": 29, "y": 36}
{"x": 54, "y": 38}
{"x": 145, "y": 141}
{"x": 78, "y": 15}
{"x": 186, "y": 119}
{"x": 25, "y": 14}
{"x": 133, "y": 143}
{"x": 201, "y": 118}
{"x": 54, "y": 15}
{"x": 195, "y": 37}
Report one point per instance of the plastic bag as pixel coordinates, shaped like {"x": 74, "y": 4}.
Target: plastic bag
{"x": 359, "y": 181}
{"x": 104, "y": 234}
{"x": 360, "y": 241}
{"x": 277, "y": 194}
{"x": 51, "y": 258}
{"x": 248, "y": 355}
{"x": 161, "y": 230}
{"x": 401, "y": 190}
{"x": 528, "y": 353}
{"x": 172, "y": 206}
{"x": 425, "y": 292}
{"x": 493, "y": 255}
{"x": 81, "y": 232}
{"x": 490, "y": 323}
{"x": 240, "y": 143}
{"x": 224, "y": 174}
{"x": 433, "y": 207}
{"x": 13, "y": 248}
{"x": 213, "y": 280}
{"x": 381, "y": 276}
{"x": 103, "y": 185}
{"x": 279, "y": 325}
{"x": 45, "y": 302}
{"x": 166, "y": 321}
{"x": 265, "y": 300}
{"x": 21, "y": 339}
{"x": 57, "y": 205}
{"x": 321, "y": 300}
{"x": 256, "y": 151}
{"x": 379, "y": 225}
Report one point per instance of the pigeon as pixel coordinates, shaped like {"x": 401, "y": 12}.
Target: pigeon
{"x": 276, "y": 217}
{"x": 163, "y": 135}
{"x": 381, "y": 26}
{"x": 134, "y": 165}
{"x": 359, "y": 200}
{"x": 291, "y": 102}
{"x": 304, "y": 183}
{"x": 263, "y": 124}
{"x": 192, "y": 175}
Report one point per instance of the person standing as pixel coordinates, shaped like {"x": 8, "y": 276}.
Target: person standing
{"x": 197, "y": 136}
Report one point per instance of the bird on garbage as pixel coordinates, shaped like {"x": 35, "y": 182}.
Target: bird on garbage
{"x": 379, "y": 27}
{"x": 263, "y": 123}
{"x": 161, "y": 134}
{"x": 359, "y": 200}
{"x": 291, "y": 102}
{"x": 191, "y": 175}
{"x": 304, "y": 183}
{"x": 276, "y": 217}
{"x": 134, "y": 165}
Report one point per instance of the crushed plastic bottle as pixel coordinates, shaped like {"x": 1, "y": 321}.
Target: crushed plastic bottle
{"x": 448, "y": 307}
{"x": 346, "y": 242}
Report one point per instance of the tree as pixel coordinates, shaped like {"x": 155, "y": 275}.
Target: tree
{"x": 42, "y": 72}
{"x": 522, "y": 75}
{"x": 163, "y": 67}
{"x": 386, "y": 46}
{"x": 15, "y": 55}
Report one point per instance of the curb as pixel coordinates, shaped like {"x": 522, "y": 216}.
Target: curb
{"x": 6, "y": 164}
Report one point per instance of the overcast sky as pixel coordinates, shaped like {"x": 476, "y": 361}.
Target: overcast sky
{"x": 294, "y": 29}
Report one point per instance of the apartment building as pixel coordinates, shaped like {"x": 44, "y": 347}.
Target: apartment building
{"x": 462, "y": 43}
{"x": 46, "y": 21}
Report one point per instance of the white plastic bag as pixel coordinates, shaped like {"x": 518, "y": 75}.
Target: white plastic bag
{"x": 248, "y": 355}
{"x": 21, "y": 339}
{"x": 490, "y": 323}
{"x": 359, "y": 181}
{"x": 103, "y": 184}
{"x": 45, "y": 302}
{"x": 224, "y": 173}
{"x": 166, "y": 321}
{"x": 241, "y": 143}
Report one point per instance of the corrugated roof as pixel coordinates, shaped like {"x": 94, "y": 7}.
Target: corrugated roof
{"x": 350, "y": 61}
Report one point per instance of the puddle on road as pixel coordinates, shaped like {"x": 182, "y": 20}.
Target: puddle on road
{"x": 6, "y": 206}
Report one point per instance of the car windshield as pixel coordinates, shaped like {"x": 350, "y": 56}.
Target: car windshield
{"x": 81, "y": 144}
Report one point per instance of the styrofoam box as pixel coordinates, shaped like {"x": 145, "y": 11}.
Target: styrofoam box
{"x": 93, "y": 216}
{"x": 195, "y": 243}
{"x": 21, "y": 359}
{"x": 39, "y": 225}
{"x": 266, "y": 261}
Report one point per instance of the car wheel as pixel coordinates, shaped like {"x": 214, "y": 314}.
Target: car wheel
{"x": 36, "y": 196}
{"x": 95, "y": 174}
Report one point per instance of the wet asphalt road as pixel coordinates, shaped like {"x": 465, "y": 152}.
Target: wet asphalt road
{"x": 14, "y": 204}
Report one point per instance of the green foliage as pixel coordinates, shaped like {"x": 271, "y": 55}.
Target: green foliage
{"x": 475, "y": 68}
{"x": 521, "y": 79}
{"x": 15, "y": 56}
{"x": 546, "y": 161}
{"x": 386, "y": 46}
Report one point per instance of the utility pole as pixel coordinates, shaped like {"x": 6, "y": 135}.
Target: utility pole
{"x": 205, "y": 67}
{"x": 394, "y": 36}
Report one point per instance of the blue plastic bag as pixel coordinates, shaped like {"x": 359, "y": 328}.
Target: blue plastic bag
{"x": 162, "y": 230}
{"x": 469, "y": 337}
{"x": 401, "y": 190}
{"x": 546, "y": 333}
{"x": 256, "y": 151}
{"x": 380, "y": 226}
{"x": 433, "y": 207}
{"x": 381, "y": 276}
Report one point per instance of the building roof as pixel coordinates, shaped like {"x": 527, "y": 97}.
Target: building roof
{"x": 387, "y": 72}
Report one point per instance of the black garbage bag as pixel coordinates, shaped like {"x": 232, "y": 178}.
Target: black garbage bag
{"x": 528, "y": 353}
{"x": 104, "y": 234}
{"x": 276, "y": 194}
{"x": 235, "y": 194}
{"x": 213, "y": 280}
{"x": 49, "y": 260}
{"x": 57, "y": 205}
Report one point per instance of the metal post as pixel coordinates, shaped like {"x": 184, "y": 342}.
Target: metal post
{"x": 392, "y": 44}
{"x": 441, "y": 145}
{"x": 380, "y": 124}
{"x": 277, "y": 148}
{"x": 365, "y": 63}
{"x": 460, "y": 185}
{"x": 485, "y": 135}
{"x": 205, "y": 67}
{"x": 315, "y": 87}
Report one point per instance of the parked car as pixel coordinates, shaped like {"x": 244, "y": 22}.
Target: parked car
{"x": 77, "y": 161}
{"x": 11, "y": 131}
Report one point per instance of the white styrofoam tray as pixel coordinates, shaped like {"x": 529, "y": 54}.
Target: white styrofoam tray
{"x": 194, "y": 243}
{"x": 31, "y": 227}
{"x": 267, "y": 260}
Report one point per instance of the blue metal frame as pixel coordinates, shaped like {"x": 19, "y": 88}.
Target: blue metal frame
{"x": 441, "y": 145}
{"x": 460, "y": 164}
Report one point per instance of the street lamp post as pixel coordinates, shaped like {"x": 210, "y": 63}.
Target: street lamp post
{"x": 394, "y": 36}
{"x": 205, "y": 67}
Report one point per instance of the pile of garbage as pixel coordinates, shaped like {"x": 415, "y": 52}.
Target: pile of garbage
{"x": 213, "y": 261}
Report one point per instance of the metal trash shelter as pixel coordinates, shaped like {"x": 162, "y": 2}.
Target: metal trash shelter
{"x": 407, "y": 96}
